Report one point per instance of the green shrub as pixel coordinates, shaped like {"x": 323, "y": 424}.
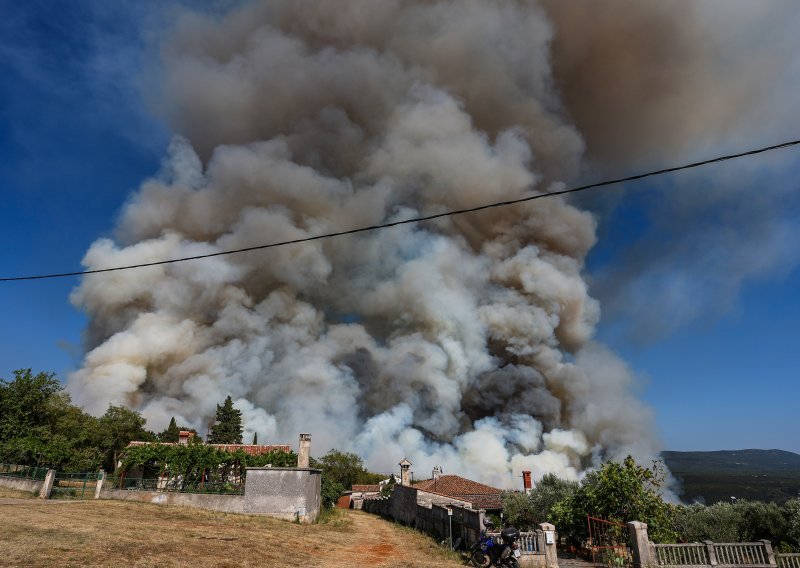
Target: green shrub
{"x": 717, "y": 523}
{"x": 618, "y": 492}
{"x": 525, "y": 511}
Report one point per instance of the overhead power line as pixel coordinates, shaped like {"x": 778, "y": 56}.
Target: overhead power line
{"x": 417, "y": 219}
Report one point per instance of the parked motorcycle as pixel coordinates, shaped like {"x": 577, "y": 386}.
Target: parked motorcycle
{"x": 488, "y": 552}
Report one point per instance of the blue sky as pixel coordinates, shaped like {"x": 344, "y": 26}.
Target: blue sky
{"x": 699, "y": 297}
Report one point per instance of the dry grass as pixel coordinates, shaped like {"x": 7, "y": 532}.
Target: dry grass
{"x": 117, "y": 533}
{"x": 7, "y": 493}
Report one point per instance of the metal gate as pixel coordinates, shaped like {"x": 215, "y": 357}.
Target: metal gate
{"x": 610, "y": 543}
{"x": 74, "y": 485}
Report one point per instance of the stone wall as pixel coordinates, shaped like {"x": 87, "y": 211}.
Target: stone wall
{"x": 428, "y": 512}
{"x": 288, "y": 493}
{"x": 291, "y": 493}
{"x": 438, "y": 515}
{"x": 223, "y": 503}
{"x": 20, "y": 484}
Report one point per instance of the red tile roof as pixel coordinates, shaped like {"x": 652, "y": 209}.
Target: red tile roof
{"x": 253, "y": 450}
{"x": 481, "y": 496}
{"x": 366, "y": 488}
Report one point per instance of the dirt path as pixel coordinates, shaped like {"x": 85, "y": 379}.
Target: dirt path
{"x": 376, "y": 542}
{"x": 568, "y": 560}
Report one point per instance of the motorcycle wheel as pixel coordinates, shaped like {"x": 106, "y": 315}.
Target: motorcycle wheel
{"x": 479, "y": 559}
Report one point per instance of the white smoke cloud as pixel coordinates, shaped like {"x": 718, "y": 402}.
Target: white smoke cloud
{"x": 464, "y": 342}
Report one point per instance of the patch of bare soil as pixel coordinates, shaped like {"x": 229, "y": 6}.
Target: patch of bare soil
{"x": 116, "y": 533}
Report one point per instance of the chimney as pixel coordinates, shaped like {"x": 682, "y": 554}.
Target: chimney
{"x": 526, "y": 481}
{"x": 304, "y": 450}
{"x": 405, "y": 473}
{"x": 437, "y": 472}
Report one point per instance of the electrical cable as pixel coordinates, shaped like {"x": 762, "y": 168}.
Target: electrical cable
{"x": 416, "y": 219}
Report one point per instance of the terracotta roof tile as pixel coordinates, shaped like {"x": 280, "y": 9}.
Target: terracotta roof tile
{"x": 366, "y": 488}
{"x": 480, "y": 495}
{"x": 253, "y": 450}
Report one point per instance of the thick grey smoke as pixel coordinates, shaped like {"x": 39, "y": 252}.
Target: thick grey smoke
{"x": 652, "y": 84}
{"x": 465, "y": 342}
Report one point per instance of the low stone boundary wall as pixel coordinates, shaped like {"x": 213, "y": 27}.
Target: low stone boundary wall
{"x": 289, "y": 493}
{"x": 34, "y": 486}
{"x": 431, "y": 518}
{"x": 538, "y": 548}
{"x": 223, "y": 503}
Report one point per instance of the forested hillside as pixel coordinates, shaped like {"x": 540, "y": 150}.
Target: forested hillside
{"x": 761, "y": 475}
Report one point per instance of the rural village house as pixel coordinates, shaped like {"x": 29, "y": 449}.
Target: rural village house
{"x": 477, "y": 495}
{"x": 183, "y": 440}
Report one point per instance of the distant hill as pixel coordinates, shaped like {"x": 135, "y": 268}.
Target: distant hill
{"x": 758, "y": 475}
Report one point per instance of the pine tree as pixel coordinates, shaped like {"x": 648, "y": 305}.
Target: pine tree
{"x": 172, "y": 432}
{"x": 228, "y": 426}
{"x": 255, "y": 438}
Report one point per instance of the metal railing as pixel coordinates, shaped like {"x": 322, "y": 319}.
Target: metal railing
{"x": 74, "y": 485}
{"x": 176, "y": 485}
{"x": 790, "y": 560}
{"x": 23, "y": 471}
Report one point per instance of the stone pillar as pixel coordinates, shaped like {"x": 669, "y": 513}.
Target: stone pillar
{"x": 47, "y": 485}
{"x": 405, "y": 472}
{"x": 304, "y": 451}
{"x": 770, "y": 554}
{"x": 548, "y": 532}
{"x": 712, "y": 553}
{"x": 641, "y": 545}
{"x": 101, "y": 477}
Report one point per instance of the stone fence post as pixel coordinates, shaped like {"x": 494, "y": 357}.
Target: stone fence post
{"x": 642, "y": 554}
{"x": 712, "y": 553}
{"x": 547, "y": 534}
{"x": 770, "y": 554}
{"x": 101, "y": 477}
{"x": 47, "y": 484}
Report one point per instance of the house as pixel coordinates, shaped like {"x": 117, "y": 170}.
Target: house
{"x": 476, "y": 495}
{"x": 162, "y": 479}
{"x": 440, "y": 506}
{"x": 354, "y": 498}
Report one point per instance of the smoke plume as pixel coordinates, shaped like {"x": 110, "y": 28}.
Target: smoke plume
{"x": 466, "y": 341}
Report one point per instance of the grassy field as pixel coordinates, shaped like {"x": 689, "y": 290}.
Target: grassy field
{"x": 116, "y": 533}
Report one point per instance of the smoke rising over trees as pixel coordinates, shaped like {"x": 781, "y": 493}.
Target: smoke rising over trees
{"x": 465, "y": 342}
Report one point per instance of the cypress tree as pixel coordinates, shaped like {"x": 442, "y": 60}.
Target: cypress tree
{"x": 172, "y": 432}
{"x": 255, "y": 438}
{"x": 228, "y": 426}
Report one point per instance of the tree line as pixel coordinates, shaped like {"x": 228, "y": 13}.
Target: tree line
{"x": 40, "y": 426}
